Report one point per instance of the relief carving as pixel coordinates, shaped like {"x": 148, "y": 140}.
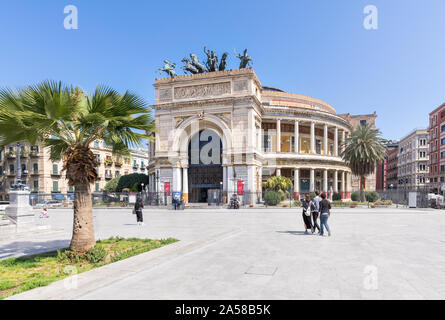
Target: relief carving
{"x": 214, "y": 89}
{"x": 240, "y": 85}
{"x": 165, "y": 94}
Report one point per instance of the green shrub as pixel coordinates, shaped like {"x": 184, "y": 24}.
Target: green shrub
{"x": 372, "y": 196}
{"x": 96, "y": 254}
{"x": 129, "y": 180}
{"x": 355, "y": 196}
{"x": 312, "y": 195}
{"x": 336, "y": 196}
{"x": 135, "y": 187}
{"x": 297, "y": 203}
{"x": 111, "y": 185}
{"x": 272, "y": 198}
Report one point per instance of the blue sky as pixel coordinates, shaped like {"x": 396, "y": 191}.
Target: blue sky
{"x": 313, "y": 47}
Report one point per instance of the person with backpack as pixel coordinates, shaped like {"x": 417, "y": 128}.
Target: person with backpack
{"x": 324, "y": 214}
{"x": 315, "y": 212}
{"x": 307, "y": 214}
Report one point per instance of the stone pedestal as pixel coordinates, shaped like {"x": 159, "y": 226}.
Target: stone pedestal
{"x": 19, "y": 211}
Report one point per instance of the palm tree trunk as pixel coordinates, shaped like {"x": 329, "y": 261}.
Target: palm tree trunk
{"x": 362, "y": 189}
{"x": 83, "y": 228}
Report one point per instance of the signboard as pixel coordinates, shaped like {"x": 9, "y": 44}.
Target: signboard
{"x": 177, "y": 195}
{"x": 240, "y": 188}
{"x": 167, "y": 188}
{"x": 131, "y": 198}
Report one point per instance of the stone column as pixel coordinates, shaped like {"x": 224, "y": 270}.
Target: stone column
{"x": 343, "y": 185}
{"x": 325, "y": 140}
{"x": 230, "y": 181}
{"x": 348, "y": 185}
{"x": 278, "y": 135}
{"x": 185, "y": 185}
{"x": 224, "y": 178}
{"x": 312, "y": 137}
{"x": 250, "y": 184}
{"x": 296, "y": 184}
{"x": 335, "y": 188}
{"x": 312, "y": 181}
{"x": 336, "y": 142}
{"x": 325, "y": 181}
{"x": 297, "y": 136}
{"x": 278, "y": 173}
{"x": 343, "y": 139}
{"x": 177, "y": 181}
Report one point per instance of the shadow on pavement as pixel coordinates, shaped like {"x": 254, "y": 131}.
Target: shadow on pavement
{"x": 295, "y": 233}
{"x": 21, "y": 248}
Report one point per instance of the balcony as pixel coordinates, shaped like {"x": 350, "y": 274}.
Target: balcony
{"x": 118, "y": 163}
{"x": 25, "y": 172}
{"x": 56, "y": 173}
{"x": 11, "y": 174}
{"x": 108, "y": 176}
{"x": 10, "y": 155}
{"x": 108, "y": 162}
{"x": 136, "y": 166}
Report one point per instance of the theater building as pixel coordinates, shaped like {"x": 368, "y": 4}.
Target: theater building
{"x": 224, "y": 131}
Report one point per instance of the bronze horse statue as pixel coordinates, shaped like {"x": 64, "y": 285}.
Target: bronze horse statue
{"x": 189, "y": 66}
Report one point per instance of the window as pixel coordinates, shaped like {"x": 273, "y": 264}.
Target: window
{"x": 362, "y": 122}
{"x": 23, "y": 168}
{"x": 0, "y": 155}
{"x": 36, "y": 185}
{"x": 35, "y": 167}
{"x": 96, "y": 144}
{"x": 70, "y": 189}
{"x": 1, "y": 170}
{"x": 267, "y": 145}
{"x": 442, "y": 142}
{"x": 11, "y": 169}
{"x": 55, "y": 186}
{"x": 117, "y": 174}
{"x": 55, "y": 169}
{"x": 97, "y": 187}
{"x": 318, "y": 146}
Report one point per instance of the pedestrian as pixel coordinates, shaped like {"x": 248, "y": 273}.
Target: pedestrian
{"x": 325, "y": 212}
{"x": 315, "y": 212}
{"x": 44, "y": 213}
{"x": 307, "y": 214}
{"x": 138, "y": 210}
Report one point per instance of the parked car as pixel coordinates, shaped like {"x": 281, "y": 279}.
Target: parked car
{"x": 3, "y": 205}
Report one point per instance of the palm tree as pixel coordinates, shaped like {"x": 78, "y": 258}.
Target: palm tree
{"x": 363, "y": 149}
{"x": 67, "y": 121}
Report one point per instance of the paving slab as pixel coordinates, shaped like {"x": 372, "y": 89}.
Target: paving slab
{"x": 382, "y": 253}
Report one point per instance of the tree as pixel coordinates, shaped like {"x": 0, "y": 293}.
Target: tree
{"x": 129, "y": 180}
{"x": 111, "y": 185}
{"x": 362, "y": 150}
{"x": 278, "y": 183}
{"x": 68, "y": 121}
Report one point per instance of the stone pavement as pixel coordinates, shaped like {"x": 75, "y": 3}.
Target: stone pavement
{"x": 258, "y": 254}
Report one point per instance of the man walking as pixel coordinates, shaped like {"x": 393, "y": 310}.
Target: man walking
{"x": 315, "y": 213}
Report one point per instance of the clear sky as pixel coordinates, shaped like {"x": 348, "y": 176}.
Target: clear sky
{"x": 313, "y": 47}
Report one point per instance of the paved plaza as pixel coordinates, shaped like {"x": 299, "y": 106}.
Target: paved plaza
{"x": 256, "y": 254}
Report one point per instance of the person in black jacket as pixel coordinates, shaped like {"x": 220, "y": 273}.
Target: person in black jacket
{"x": 324, "y": 214}
{"x": 138, "y": 208}
{"x": 307, "y": 214}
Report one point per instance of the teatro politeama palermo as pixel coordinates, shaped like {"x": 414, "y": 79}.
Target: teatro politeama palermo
{"x": 223, "y": 132}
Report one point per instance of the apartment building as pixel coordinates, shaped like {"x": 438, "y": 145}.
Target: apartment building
{"x": 412, "y": 165}
{"x": 385, "y": 169}
{"x": 45, "y": 176}
{"x": 436, "y": 163}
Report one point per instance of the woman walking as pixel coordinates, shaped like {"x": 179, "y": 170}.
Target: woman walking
{"x": 324, "y": 214}
{"x": 138, "y": 209}
{"x": 307, "y": 214}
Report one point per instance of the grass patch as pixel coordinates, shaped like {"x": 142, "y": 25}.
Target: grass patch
{"x": 25, "y": 273}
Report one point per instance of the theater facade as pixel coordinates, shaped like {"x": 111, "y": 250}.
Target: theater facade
{"x": 224, "y": 131}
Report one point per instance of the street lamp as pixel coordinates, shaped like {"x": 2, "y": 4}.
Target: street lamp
{"x": 19, "y": 185}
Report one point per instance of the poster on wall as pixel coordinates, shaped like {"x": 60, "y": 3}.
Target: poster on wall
{"x": 240, "y": 188}
{"x": 167, "y": 188}
{"x": 132, "y": 198}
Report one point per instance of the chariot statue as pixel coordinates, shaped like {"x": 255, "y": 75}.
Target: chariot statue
{"x": 245, "y": 59}
{"x": 197, "y": 64}
{"x": 189, "y": 66}
{"x": 169, "y": 68}
{"x": 212, "y": 60}
{"x": 223, "y": 63}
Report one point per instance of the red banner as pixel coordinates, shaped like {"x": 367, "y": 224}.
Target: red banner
{"x": 167, "y": 188}
{"x": 240, "y": 188}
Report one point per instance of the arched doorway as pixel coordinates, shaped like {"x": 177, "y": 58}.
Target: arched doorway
{"x": 205, "y": 172}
